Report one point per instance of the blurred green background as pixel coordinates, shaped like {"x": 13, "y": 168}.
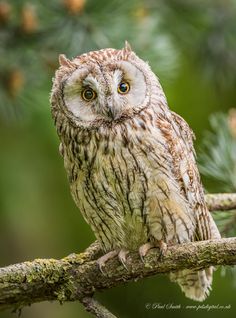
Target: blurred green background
{"x": 190, "y": 45}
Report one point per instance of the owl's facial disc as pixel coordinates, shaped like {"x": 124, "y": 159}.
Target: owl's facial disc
{"x": 107, "y": 92}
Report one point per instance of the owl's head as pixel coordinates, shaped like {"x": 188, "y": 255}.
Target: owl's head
{"x": 107, "y": 85}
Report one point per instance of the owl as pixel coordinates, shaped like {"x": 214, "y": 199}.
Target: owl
{"x": 130, "y": 160}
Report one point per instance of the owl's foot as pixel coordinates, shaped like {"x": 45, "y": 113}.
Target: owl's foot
{"x": 163, "y": 248}
{"x": 144, "y": 249}
{"x": 103, "y": 259}
{"x": 122, "y": 255}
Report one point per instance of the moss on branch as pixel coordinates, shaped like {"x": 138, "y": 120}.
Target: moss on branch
{"x": 71, "y": 279}
{"x": 77, "y": 277}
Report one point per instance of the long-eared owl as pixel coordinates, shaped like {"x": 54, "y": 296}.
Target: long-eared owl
{"x": 130, "y": 160}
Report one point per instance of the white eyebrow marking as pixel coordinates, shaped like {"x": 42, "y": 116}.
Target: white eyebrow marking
{"x": 118, "y": 75}
{"x": 92, "y": 82}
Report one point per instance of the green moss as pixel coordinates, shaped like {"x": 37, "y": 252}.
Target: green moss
{"x": 66, "y": 292}
{"x": 148, "y": 265}
{"x": 75, "y": 258}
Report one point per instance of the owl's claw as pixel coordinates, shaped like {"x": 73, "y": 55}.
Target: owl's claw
{"x": 163, "y": 248}
{"x": 103, "y": 259}
{"x": 143, "y": 250}
{"x": 122, "y": 255}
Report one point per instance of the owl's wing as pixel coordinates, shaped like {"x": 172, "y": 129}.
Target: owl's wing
{"x": 180, "y": 140}
{"x": 179, "y": 136}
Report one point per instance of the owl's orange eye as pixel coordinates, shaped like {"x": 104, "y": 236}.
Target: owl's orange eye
{"x": 123, "y": 88}
{"x": 88, "y": 94}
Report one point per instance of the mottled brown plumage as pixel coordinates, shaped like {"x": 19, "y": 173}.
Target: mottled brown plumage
{"x": 129, "y": 159}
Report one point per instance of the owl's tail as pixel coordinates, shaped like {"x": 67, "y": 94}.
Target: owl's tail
{"x": 195, "y": 284}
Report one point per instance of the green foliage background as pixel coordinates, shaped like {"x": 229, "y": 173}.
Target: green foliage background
{"x": 190, "y": 45}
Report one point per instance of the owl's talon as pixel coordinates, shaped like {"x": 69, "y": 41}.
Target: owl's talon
{"x": 142, "y": 258}
{"x": 143, "y": 250}
{"x": 163, "y": 248}
{"x": 100, "y": 268}
{"x": 122, "y": 255}
{"x": 103, "y": 259}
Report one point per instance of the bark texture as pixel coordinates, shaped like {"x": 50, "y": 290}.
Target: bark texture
{"x": 221, "y": 201}
{"x": 77, "y": 277}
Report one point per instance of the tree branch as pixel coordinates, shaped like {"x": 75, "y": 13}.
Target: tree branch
{"x": 221, "y": 201}
{"x": 77, "y": 277}
{"x": 93, "y": 306}
{"x": 72, "y": 279}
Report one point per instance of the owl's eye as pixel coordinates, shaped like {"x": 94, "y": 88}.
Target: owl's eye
{"x": 88, "y": 94}
{"x": 123, "y": 88}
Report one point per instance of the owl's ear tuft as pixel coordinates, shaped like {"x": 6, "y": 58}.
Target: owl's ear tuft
{"x": 64, "y": 61}
{"x": 127, "y": 46}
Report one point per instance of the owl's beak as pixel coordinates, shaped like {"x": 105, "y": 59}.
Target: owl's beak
{"x": 110, "y": 112}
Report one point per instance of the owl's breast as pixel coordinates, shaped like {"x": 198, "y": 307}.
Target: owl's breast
{"x": 109, "y": 183}
{"x": 113, "y": 179}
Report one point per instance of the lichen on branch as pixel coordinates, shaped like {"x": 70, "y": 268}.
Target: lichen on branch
{"x": 77, "y": 277}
